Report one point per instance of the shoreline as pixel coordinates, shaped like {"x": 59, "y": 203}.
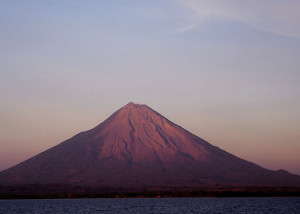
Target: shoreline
{"x": 76, "y": 192}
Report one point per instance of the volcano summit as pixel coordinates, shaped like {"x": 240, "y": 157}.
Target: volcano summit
{"x": 138, "y": 147}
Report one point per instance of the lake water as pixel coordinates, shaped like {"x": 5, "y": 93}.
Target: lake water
{"x": 153, "y": 205}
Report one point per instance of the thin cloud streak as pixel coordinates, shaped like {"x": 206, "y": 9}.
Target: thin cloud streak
{"x": 189, "y": 27}
{"x": 276, "y": 16}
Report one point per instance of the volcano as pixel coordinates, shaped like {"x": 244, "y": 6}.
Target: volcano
{"x": 138, "y": 147}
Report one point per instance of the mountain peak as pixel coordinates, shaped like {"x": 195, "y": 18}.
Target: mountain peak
{"x": 133, "y": 111}
{"x": 130, "y": 104}
{"x": 133, "y": 105}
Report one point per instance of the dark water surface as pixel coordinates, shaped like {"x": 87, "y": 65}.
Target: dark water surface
{"x": 153, "y": 205}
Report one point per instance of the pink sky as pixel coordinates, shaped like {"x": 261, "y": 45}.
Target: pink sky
{"x": 225, "y": 72}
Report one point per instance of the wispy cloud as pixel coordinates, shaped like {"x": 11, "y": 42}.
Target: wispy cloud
{"x": 189, "y": 27}
{"x": 273, "y": 16}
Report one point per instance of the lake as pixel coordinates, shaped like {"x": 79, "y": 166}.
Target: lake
{"x": 153, "y": 205}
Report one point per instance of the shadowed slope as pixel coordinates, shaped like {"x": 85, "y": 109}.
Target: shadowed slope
{"x": 136, "y": 146}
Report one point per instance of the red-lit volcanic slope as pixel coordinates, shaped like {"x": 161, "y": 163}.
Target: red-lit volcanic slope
{"x": 138, "y": 147}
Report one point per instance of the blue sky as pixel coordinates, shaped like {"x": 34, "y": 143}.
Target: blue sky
{"x": 228, "y": 71}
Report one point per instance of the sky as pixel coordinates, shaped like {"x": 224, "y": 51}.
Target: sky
{"x": 226, "y": 70}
